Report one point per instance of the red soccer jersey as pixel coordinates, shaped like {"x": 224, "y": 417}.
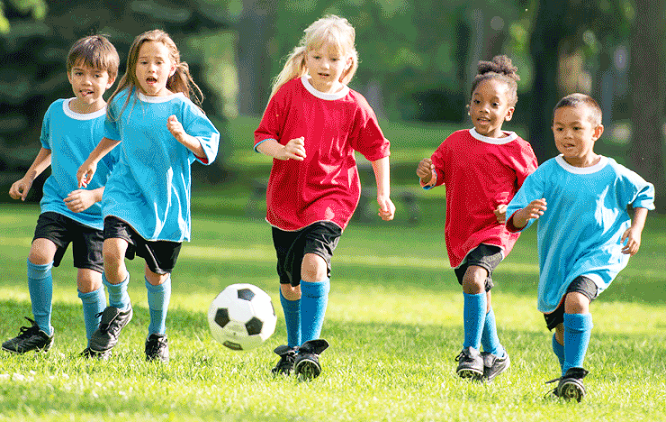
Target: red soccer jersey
{"x": 325, "y": 186}
{"x": 480, "y": 173}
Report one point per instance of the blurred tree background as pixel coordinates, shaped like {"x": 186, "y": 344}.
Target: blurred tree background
{"x": 416, "y": 60}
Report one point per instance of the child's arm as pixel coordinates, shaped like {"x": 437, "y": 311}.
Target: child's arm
{"x": 81, "y": 199}
{"x": 382, "y": 172}
{"x": 534, "y": 209}
{"x": 21, "y": 187}
{"x": 88, "y": 168}
{"x": 633, "y": 233}
{"x": 189, "y": 141}
{"x": 425, "y": 170}
{"x": 294, "y": 150}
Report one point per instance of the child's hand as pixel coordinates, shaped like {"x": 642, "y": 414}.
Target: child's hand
{"x": 500, "y": 213}
{"x": 633, "y": 238}
{"x": 425, "y": 170}
{"x": 535, "y": 209}
{"x": 85, "y": 173}
{"x": 386, "y": 208}
{"x": 294, "y": 150}
{"x": 80, "y": 200}
{"x": 20, "y": 189}
{"x": 175, "y": 127}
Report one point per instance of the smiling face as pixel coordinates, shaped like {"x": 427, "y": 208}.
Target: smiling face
{"x": 326, "y": 65}
{"x": 490, "y": 107}
{"x": 88, "y": 84}
{"x": 154, "y": 67}
{"x": 575, "y": 134}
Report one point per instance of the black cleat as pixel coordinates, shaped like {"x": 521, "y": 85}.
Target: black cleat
{"x": 470, "y": 364}
{"x": 306, "y": 364}
{"x": 106, "y": 336}
{"x": 571, "y": 386}
{"x": 493, "y": 365}
{"x": 91, "y": 354}
{"x": 286, "y": 363}
{"x": 29, "y": 338}
{"x": 157, "y": 348}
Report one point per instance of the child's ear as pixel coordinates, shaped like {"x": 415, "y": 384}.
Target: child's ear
{"x": 598, "y": 131}
{"x": 509, "y": 113}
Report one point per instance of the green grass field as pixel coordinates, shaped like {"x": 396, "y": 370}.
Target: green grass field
{"x": 394, "y": 322}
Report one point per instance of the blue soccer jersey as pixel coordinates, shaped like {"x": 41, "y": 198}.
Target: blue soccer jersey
{"x": 150, "y": 186}
{"x": 71, "y": 137}
{"x": 580, "y": 232}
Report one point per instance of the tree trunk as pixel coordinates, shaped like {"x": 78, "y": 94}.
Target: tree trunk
{"x": 646, "y": 73}
{"x": 255, "y": 30}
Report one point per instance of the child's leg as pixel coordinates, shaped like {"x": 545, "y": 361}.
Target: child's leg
{"x": 290, "y": 298}
{"x": 315, "y": 286}
{"x": 116, "y": 277}
{"x": 159, "y": 295}
{"x": 91, "y": 293}
{"x": 577, "y": 328}
{"x": 558, "y": 344}
{"x": 40, "y": 282}
{"x": 475, "y": 304}
{"x": 489, "y": 339}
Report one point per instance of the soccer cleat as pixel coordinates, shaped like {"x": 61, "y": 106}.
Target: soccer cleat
{"x": 570, "y": 386}
{"x": 306, "y": 364}
{"x": 29, "y": 338}
{"x": 91, "y": 354}
{"x": 286, "y": 363}
{"x": 470, "y": 364}
{"x": 106, "y": 336}
{"x": 157, "y": 348}
{"x": 493, "y": 365}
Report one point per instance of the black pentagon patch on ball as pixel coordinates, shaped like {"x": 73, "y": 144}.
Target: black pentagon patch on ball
{"x": 232, "y": 345}
{"x": 245, "y": 294}
{"x": 222, "y": 317}
{"x": 253, "y": 326}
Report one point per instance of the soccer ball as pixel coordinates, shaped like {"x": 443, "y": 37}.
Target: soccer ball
{"x": 242, "y": 317}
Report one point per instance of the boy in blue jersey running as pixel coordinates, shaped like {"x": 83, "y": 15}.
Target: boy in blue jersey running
{"x": 585, "y": 234}
{"x": 70, "y": 131}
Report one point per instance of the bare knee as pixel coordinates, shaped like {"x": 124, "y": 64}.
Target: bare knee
{"x": 113, "y": 251}
{"x": 42, "y": 252}
{"x": 88, "y": 280}
{"x": 474, "y": 280}
{"x": 290, "y": 292}
{"x": 576, "y": 303}
{"x": 155, "y": 279}
{"x": 313, "y": 268}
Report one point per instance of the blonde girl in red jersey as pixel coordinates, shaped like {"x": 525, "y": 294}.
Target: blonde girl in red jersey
{"x": 311, "y": 127}
{"x": 482, "y": 169}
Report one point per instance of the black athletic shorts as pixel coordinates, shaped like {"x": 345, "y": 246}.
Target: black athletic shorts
{"x": 160, "y": 255}
{"x": 484, "y": 256}
{"x": 86, "y": 241}
{"x": 582, "y": 285}
{"x": 320, "y": 238}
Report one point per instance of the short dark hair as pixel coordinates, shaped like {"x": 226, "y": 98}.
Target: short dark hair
{"x": 95, "y": 51}
{"x": 577, "y": 99}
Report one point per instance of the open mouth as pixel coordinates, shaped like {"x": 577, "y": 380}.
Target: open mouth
{"x": 151, "y": 80}
{"x": 86, "y": 93}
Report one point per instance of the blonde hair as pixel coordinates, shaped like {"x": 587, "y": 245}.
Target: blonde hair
{"x": 180, "y": 81}
{"x": 330, "y": 29}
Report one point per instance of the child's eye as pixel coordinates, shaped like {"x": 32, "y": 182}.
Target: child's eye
{"x": 476, "y": 101}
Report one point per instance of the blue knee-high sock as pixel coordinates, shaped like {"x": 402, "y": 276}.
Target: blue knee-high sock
{"x": 558, "y": 349}
{"x": 474, "y": 315}
{"x": 158, "y": 304}
{"x": 314, "y": 298}
{"x": 292, "y": 318}
{"x": 40, "y": 285}
{"x": 489, "y": 339}
{"x": 118, "y": 297}
{"x": 577, "y": 329}
{"x": 93, "y": 304}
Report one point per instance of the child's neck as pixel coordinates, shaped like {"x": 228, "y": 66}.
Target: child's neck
{"x": 587, "y": 161}
{"x": 78, "y": 106}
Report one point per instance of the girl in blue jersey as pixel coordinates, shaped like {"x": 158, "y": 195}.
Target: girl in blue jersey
{"x": 146, "y": 204}
{"x": 70, "y": 130}
{"x": 585, "y": 234}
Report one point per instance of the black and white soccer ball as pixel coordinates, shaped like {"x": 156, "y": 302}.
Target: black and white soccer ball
{"x": 242, "y": 317}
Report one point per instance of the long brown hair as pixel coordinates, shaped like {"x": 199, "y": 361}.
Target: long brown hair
{"x": 180, "y": 81}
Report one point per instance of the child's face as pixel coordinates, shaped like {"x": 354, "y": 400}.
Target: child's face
{"x": 326, "y": 66}
{"x": 154, "y": 67}
{"x": 490, "y": 107}
{"x": 89, "y": 84}
{"x": 575, "y": 134}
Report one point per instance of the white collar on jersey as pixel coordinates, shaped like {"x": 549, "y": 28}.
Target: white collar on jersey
{"x": 148, "y": 99}
{"x": 581, "y": 170}
{"x": 510, "y": 136}
{"x": 80, "y": 116}
{"x": 305, "y": 80}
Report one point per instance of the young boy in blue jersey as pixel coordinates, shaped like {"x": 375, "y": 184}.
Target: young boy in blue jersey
{"x": 70, "y": 131}
{"x": 585, "y": 233}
